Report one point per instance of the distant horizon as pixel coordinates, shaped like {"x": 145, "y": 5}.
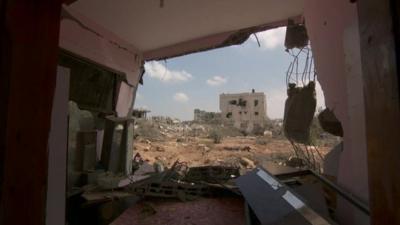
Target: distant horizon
{"x": 177, "y": 86}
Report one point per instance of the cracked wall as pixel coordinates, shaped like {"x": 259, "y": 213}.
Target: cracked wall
{"x": 334, "y": 34}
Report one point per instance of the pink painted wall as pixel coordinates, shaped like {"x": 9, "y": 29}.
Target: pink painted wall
{"x": 208, "y": 42}
{"x": 81, "y": 36}
{"x": 125, "y": 98}
{"x": 334, "y": 34}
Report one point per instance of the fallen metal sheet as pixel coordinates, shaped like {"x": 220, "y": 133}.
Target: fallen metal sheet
{"x": 314, "y": 195}
{"x": 274, "y": 203}
{"x": 353, "y": 200}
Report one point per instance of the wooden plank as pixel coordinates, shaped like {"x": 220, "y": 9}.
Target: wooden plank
{"x": 29, "y": 49}
{"x": 381, "y": 94}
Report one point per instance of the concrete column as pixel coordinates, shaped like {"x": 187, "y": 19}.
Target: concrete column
{"x": 28, "y": 60}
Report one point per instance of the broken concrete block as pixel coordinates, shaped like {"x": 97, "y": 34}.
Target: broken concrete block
{"x": 246, "y": 148}
{"x": 330, "y": 123}
{"x": 86, "y": 146}
{"x": 296, "y": 35}
{"x": 294, "y": 162}
{"x": 160, "y": 149}
{"x": 247, "y": 162}
{"x": 268, "y": 134}
{"x": 299, "y": 112}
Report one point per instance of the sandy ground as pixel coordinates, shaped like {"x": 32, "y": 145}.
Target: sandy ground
{"x": 197, "y": 151}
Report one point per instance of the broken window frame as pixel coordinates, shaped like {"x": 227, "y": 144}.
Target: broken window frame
{"x": 233, "y": 102}
{"x": 242, "y": 102}
{"x": 68, "y": 59}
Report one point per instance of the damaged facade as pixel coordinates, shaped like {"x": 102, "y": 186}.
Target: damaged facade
{"x": 140, "y": 113}
{"x": 204, "y": 116}
{"x": 245, "y": 111}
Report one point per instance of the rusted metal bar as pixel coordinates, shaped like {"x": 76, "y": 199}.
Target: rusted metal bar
{"x": 339, "y": 190}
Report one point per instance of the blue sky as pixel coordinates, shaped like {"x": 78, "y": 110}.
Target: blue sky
{"x": 179, "y": 85}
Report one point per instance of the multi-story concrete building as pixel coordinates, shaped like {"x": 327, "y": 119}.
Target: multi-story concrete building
{"x": 245, "y": 110}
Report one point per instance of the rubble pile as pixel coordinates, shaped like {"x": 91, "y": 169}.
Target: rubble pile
{"x": 184, "y": 183}
{"x": 162, "y": 196}
{"x": 171, "y": 162}
{"x": 162, "y": 140}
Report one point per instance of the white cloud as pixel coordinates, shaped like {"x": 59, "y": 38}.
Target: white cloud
{"x": 216, "y": 81}
{"x": 271, "y": 39}
{"x": 181, "y": 97}
{"x": 157, "y": 70}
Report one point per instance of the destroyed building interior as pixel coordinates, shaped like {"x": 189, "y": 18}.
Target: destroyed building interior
{"x": 74, "y": 150}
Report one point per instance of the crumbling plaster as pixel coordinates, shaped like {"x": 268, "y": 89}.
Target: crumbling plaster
{"x": 334, "y": 34}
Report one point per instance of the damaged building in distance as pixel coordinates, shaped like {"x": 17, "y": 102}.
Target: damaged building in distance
{"x": 204, "y": 116}
{"x": 245, "y": 111}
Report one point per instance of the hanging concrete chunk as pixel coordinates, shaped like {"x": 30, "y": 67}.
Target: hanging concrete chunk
{"x": 299, "y": 112}
{"x": 330, "y": 123}
{"x": 296, "y": 35}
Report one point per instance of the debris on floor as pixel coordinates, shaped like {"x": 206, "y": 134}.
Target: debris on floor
{"x": 141, "y": 181}
{"x": 212, "y": 195}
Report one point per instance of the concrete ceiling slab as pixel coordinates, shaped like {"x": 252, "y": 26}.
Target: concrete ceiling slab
{"x": 149, "y": 24}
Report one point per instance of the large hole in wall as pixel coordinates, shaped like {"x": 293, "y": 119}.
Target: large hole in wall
{"x": 219, "y": 100}
{"x": 219, "y": 108}
{"x": 92, "y": 87}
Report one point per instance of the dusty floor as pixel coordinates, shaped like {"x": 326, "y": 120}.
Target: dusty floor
{"x": 211, "y": 211}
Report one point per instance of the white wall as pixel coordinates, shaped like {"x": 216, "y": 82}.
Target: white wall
{"x": 58, "y": 141}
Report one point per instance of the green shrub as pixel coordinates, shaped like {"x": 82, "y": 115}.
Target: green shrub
{"x": 216, "y": 136}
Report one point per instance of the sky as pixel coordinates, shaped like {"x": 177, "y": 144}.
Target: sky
{"x": 177, "y": 86}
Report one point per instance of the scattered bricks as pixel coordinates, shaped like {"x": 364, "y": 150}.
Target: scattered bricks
{"x": 211, "y": 174}
{"x": 294, "y": 162}
{"x": 247, "y": 163}
{"x": 232, "y": 148}
{"x": 268, "y": 134}
{"x": 238, "y": 148}
{"x": 160, "y": 149}
{"x": 171, "y": 189}
{"x": 246, "y": 148}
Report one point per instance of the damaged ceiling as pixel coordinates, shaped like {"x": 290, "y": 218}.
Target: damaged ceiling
{"x": 158, "y": 24}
